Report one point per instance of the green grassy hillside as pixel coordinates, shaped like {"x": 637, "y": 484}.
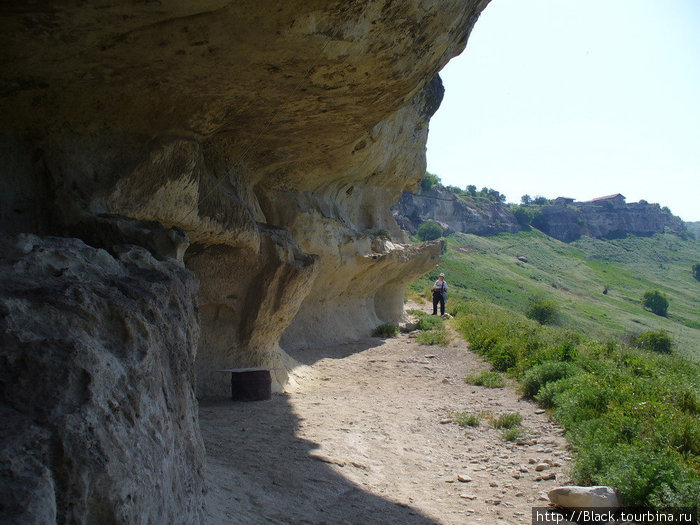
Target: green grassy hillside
{"x": 630, "y": 411}
{"x": 576, "y": 275}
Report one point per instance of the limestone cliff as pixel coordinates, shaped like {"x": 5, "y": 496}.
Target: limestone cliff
{"x": 260, "y": 146}
{"x": 605, "y": 219}
{"x": 455, "y": 213}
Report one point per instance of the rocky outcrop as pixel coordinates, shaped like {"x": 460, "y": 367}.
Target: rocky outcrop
{"x": 272, "y": 137}
{"x": 96, "y": 369}
{"x": 605, "y": 220}
{"x": 454, "y": 213}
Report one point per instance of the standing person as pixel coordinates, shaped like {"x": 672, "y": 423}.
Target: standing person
{"x": 439, "y": 294}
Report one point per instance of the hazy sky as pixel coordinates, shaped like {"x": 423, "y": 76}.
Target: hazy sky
{"x": 576, "y": 98}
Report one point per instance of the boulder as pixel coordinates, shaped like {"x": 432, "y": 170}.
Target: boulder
{"x": 570, "y": 497}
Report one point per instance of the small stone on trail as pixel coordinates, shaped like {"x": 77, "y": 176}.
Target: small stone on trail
{"x": 467, "y": 496}
{"x": 446, "y": 420}
{"x": 532, "y": 461}
{"x": 463, "y": 478}
{"x": 541, "y": 466}
{"x": 540, "y": 411}
{"x": 429, "y": 356}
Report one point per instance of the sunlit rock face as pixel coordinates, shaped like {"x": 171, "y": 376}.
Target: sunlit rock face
{"x": 269, "y": 137}
{"x": 454, "y": 214}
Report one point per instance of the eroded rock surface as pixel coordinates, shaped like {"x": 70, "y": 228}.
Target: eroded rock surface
{"x": 273, "y": 136}
{"x": 96, "y": 369}
{"x": 453, "y": 213}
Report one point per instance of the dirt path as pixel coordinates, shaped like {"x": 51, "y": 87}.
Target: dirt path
{"x": 361, "y": 441}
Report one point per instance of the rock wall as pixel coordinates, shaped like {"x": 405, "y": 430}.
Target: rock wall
{"x": 273, "y": 137}
{"x": 568, "y": 223}
{"x": 96, "y": 369}
{"x": 453, "y": 213}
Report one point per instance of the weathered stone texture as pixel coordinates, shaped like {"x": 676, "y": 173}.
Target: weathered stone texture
{"x": 96, "y": 370}
{"x": 454, "y": 214}
{"x": 275, "y": 135}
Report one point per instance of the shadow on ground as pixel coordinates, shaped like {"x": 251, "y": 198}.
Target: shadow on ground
{"x": 259, "y": 471}
{"x": 309, "y": 356}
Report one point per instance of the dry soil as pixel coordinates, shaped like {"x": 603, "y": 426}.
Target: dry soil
{"x": 365, "y": 438}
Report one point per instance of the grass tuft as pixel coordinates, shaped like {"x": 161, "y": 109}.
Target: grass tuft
{"x": 465, "y": 419}
{"x": 487, "y": 379}
{"x": 508, "y": 420}
{"x": 385, "y": 330}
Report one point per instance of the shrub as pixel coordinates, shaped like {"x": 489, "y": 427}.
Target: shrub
{"x": 508, "y": 420}
{"x": 659, "y": 341}
{"x": 547, "y": 372}
{"x": 547, "y": 394}
{"x": 631, "y": 415}
{"x": 429, "y": 231}
{"x": 503, "y": 357}
{"x": 656, "y": 302}
{"x": 487, "y": 379}
{"x": 429, "y": 180}
{"x": 696, "y": 271}
{"x": 524, "y": 214}
{"x": 385, "y": 330}
{"x": 544, "y": 311}
{"x": 465, "y": 419}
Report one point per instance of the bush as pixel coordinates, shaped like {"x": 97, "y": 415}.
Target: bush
{"x": 429, "y": 180}
{"x": 547, "y": 372}
{"x": 429, "y": 231}
{"x": 696, "y": 271}
{"x": 465, "y": 419}
{"x": 659, "y": 341}
{"x": 524, "y": 214}
{"x": 656, "y": 302}
{"x": 487, "y": 379}
{"x": 385, "y": 330}
{"x": 509, "y": 420}
{"x": 631, "y": 415}
{"x": 544, "y": 311}
{"x": 503, "y": 358}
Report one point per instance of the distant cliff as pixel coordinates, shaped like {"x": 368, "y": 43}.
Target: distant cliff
{"x": 605, "y": 217}
{"x": 454, "y": 212}
{"x": 562, "y": 218}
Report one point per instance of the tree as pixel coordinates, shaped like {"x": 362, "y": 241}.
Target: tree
{"x": 655, "y": 301}
{"x": 540, "y": 200}
{"x": 429, "y": 231}
{"x": 429, "y": 180}
{"x": 471, "y": 189}
{"x": 524, "y": 215}
{"x": 526, "y": 199}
